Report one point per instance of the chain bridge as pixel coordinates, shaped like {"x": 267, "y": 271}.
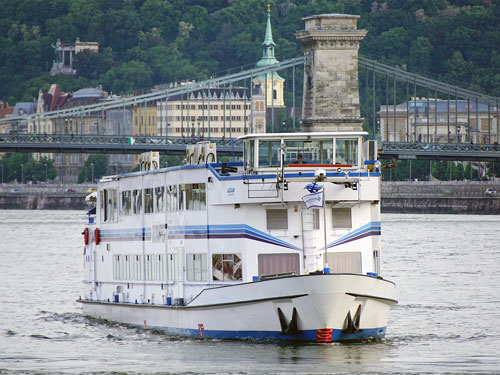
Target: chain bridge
{"x": 422, "y": 118}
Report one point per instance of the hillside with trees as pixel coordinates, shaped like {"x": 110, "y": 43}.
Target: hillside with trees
{"x": 148, "y": 42}
{"x": 143, "y": 43}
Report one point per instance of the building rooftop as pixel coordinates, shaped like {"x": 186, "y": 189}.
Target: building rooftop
{"x": 23, "y": 108}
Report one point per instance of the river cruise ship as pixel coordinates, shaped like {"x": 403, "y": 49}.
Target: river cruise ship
{"x": 283, "y": 245}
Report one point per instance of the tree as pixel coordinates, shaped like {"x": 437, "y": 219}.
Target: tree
{"x": 94, "y": 168}
{"x": 420, "y": 54}
{"x": 23, "y": 168}
{"x": 439, "y": 170}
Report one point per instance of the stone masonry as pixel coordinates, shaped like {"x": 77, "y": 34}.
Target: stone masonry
{"x": 331, "y": 91}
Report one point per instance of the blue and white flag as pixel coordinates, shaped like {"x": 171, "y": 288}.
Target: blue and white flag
{"x": 313, "y": 200}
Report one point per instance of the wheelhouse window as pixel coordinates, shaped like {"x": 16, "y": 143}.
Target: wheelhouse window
{"x": 311, "y": 152}
{"x": 277, "y": 218}
{"x": 227, "y": 267}
{"x": 346, "y": 151}
{"x": 249, "y": 153}
{"x": 196, "y": 267}
{"x": 269, "y": 153}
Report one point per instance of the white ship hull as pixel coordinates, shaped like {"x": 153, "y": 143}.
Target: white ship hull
{"x": 252, "y": 310}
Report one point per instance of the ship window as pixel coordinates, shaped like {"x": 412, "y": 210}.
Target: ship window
{"x": 346, "y": 151}
{"x": 313, "y": 152}
{"x": 137, "y": 197}
{"x": 269, "y": 153}
{"x": 113, "y": 204}
{"x": 126, "y": 202}
{"x": 174, "y": 269}
{"x": 195, "y": 196}
{"x": 196, "y": 267}
{"x": 181, "y": 197}
{"x": 277, "y": 218}
{"x": 227, "y": 267}
{"x": 341, "y": 218}
{"x": 376, "y": 260}
{"x": 160, "y": 199}
{"x": 104, "y": 208}
{"x": 154, "y": 267}
{"x": 316, "y": 219}
{"x": 278, "y": 263}
{"x": 172, "y": 198}
{"x": 148, "y": 201}
{"x": 344, "y": 262}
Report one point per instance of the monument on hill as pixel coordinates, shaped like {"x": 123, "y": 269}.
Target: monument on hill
{"x": 331, "y": 91}
{"x": 65, "y": 54}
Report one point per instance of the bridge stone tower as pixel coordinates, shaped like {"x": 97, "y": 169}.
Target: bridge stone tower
{"x": 331, "y": 91}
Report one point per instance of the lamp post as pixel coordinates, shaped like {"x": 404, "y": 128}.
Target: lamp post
{"x": 92, "y": 166}
{"x": 22, "y": 173}
{"x": 1, "y": 165}
{"x": 45, "y": 172}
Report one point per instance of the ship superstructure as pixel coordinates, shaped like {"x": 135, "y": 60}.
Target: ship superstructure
{"x": 284, "y": 244}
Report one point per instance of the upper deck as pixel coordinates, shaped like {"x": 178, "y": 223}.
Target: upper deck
{"x": 336, "y": 151}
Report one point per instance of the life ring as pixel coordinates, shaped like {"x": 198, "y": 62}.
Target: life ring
{"x": 86, "y": 236}
{"x": 97, "y": 236}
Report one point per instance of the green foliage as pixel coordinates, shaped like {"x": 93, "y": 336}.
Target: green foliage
{"x": 148, "y": 42}
{"x": 171, "y": 160}
{"x": 94, "y": 168}
{"x": 24, "y": 168}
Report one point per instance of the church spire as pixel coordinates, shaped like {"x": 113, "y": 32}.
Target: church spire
{"x": 268, "y": 44}
{"x": 268, "y": 41}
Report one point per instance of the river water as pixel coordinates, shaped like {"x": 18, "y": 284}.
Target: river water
{"x": 446, "y": 269}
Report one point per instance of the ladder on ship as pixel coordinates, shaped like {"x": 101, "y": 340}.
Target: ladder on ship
{"x": 309, "y": 225}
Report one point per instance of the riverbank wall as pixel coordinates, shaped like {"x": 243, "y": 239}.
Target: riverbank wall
{"x": 440, "y": 197}
{"x": 434, "y": 197}
{"x": 44, "y": 196}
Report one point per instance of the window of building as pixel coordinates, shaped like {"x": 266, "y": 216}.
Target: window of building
{"x": 227, "y": 267}
{"x": 275, "y": 94}
{"x": 196, "y": 267}
{"x": 148, "y": 201}
{"x": 160, "y": 199}
{"x": 270, "y": 264}
{"x": 341, "y": 218}
{"x": 277, "y": 218}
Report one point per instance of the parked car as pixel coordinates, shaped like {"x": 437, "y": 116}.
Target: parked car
{"x": 490, "y": 191}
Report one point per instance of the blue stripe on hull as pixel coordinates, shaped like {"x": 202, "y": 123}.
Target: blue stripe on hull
{"x": 306, "y": 336}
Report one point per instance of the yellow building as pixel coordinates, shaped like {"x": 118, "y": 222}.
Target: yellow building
{"x": 215, "y": 112}
{"x": 145, "y": 120}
